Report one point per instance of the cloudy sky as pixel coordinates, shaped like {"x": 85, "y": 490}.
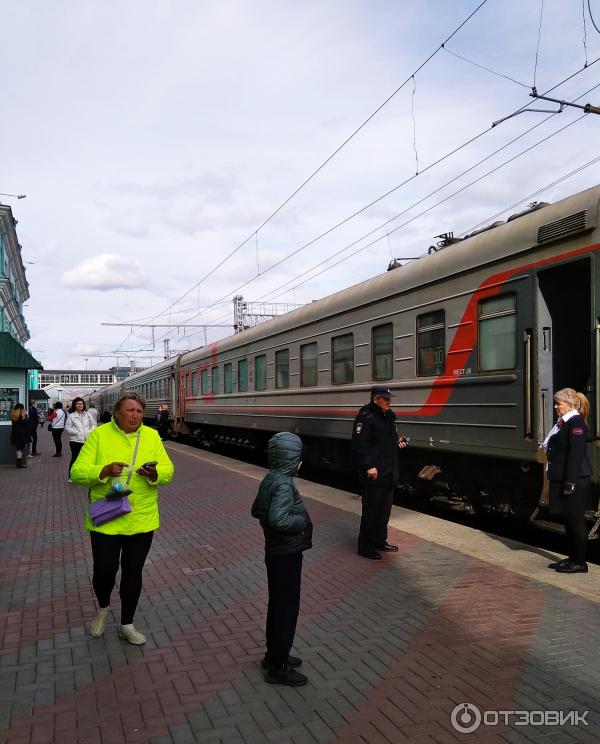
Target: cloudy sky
{"x": 154, "y": 137}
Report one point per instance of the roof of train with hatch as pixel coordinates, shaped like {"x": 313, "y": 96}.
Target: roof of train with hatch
{"x": 566, "y": 218}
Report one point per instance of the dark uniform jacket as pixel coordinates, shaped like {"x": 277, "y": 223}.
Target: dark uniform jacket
{"x": 278, "y": 505}
{"x": 567, "y": 452}
{"x": 375, "y": 445}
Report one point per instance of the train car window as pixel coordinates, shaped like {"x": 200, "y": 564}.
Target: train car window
{"x": 308, "y": 364}
{"x": 282, "y": 369}
{"x": 243, "y": 376}
{"x": 204, "y": 381}
{"x": 194, "y": 383}
{"x": 227, "y": 378}
{"x": 342, "y": 358}
{"x": 383, "y": 352}
{"x": 215, "y": 379}
{"x": 431, "y": 344}
{"x": 260, "y": 372}
{"x": 498, "y": 333}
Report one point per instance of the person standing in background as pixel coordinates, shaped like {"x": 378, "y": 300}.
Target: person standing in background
{"x": 79, "y": 425}
{"x": 20, "y": 434}
{"x": 34, "y": 420}
{"x": 57, "y": 427}
{"x": 93, "y": 413}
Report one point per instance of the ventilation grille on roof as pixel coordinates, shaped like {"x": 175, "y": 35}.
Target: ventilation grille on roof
{"x": 569, "y": 225}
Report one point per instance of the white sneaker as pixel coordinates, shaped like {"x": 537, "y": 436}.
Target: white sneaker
{"x": 30, "y": 455}
{"x": 69, "y": 480}
{"x": 131, "y": 635}
{"x": 98, "y": 624}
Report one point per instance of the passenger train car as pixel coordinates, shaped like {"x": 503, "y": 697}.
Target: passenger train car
{"x": 472, "y": 339}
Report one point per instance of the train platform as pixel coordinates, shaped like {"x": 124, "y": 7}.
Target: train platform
{"x": 459, "y": 637}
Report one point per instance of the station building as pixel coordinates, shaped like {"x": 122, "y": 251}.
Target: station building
{"x": 65, "y": 384}
{"x": 15, "y": 360}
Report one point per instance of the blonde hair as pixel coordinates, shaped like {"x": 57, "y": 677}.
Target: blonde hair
{"x": 18, "y": 412}
{"x": 575, "y": 399}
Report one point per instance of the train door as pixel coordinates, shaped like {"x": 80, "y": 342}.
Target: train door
{"x": 564, "y": 348}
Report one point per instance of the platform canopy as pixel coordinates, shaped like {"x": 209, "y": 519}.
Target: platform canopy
{"x": 13, "y": 355}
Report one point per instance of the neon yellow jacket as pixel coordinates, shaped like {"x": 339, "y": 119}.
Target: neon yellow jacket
{"x": 107, "y": 443}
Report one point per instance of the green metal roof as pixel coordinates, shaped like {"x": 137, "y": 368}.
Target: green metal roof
{"x": 13, "y": 355}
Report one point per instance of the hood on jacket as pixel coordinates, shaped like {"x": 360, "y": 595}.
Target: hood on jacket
{"x": 285, "y": 452}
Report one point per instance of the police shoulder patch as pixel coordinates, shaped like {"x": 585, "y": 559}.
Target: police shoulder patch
{"x": 359, "y": 428}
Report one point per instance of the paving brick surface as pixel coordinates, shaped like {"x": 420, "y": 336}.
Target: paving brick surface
{"x": 390, "y": 647}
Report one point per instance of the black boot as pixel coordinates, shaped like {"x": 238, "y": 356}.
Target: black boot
{"x": 285, "y": 675}
{"x": 20, "y": 463}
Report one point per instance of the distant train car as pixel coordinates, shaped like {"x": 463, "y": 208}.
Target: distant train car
{"x": 472, "y": 339}
{"x": 157, "y": 385}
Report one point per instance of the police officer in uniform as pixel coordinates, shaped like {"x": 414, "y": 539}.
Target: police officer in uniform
{"x": 375, "y": 446}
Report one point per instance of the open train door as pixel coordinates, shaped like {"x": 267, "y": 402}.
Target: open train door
{"x": 563, "y": 340}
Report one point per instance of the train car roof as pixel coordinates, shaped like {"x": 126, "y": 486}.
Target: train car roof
{"x": 507, "y": 239}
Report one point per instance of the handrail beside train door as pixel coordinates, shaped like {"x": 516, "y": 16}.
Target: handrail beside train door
{"x": 527, "y": 338}
{"x": 596, "y": 385}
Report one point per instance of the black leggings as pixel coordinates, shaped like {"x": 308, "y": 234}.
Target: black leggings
{"x": 132, "y": 551}
{"x": 75, "y": 450}
{"x": 284, "y": 575}
{"x": 57, "y": 436}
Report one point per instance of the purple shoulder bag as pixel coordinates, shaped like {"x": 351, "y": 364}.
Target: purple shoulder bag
{"x": 115, "y": 504}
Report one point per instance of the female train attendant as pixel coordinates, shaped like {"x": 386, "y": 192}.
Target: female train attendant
{"x": 569, "y": 475}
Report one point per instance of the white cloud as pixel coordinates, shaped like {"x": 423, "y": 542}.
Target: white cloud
{"x": 104, "y": 272}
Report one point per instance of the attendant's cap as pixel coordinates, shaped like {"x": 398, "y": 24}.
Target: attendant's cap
{"x": 381, "y": 391}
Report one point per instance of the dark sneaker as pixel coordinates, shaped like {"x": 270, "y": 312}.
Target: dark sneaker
{"x": 292, "y": 662}
{"x": 285, "y": 676}
{"x": 556, "y": 564}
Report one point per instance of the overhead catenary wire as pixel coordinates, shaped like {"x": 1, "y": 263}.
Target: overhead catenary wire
{"x": 595, "y": 25}
{"x": 569, "y": 77}
{"x": 487, "y": 69}
{"x": 406, "y": 181}
{"x": 514, "y": 205}
{"x": 537, "y": 49}
{"x": 412, "y": 111}
{"x": 336, "y": 255}
{"x": 425, "y": 211}
{"x": 414, "y": 217}
{"x": 327, "y": 160}
{"x": 584, "y": 32}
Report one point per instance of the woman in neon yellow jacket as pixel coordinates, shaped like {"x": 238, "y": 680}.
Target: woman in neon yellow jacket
{"x": 107, "y": 457}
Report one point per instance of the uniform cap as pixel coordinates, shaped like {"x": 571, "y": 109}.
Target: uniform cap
{"x": 381, "y": 391}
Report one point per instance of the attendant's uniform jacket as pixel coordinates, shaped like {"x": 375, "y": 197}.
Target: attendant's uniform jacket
{"x": 108, "y": 443}
{"x": 568, "y": 463}
{"x": 375, "y": 445}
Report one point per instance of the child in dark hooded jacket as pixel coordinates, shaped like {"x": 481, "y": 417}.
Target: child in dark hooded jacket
{"x": 288, "y": 532}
